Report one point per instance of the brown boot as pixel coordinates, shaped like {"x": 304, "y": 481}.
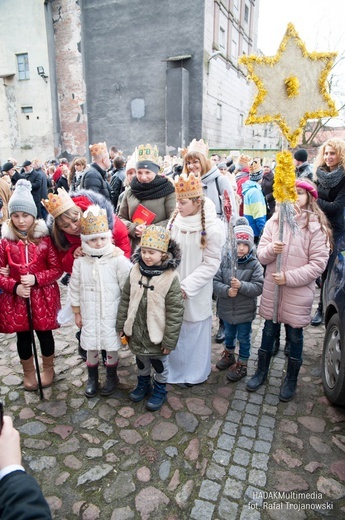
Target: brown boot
{"x": 47, "y": 375}
{"x": 30, "y": 381}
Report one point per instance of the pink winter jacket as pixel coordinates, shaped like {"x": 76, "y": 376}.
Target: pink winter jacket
{"x": 304, "y": 258}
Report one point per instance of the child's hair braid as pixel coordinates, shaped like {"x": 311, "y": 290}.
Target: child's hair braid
{"x": 203, "y": 240}
{"x": 172, "y": 219}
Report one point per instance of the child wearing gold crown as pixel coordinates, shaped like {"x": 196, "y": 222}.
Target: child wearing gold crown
{"x": 151, "y": 312}
{"x": 95, "y": 290}
{"x": 198, "y": 231}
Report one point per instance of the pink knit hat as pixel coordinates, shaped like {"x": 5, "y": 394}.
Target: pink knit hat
{"x": 308, "y": 186}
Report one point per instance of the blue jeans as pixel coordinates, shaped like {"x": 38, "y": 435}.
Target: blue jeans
{"x": 242, "y": 332}
{"x": 295, "y": 336}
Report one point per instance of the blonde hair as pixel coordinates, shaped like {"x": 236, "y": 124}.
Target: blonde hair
{"x": 203, "y": 241}
{"x": 339, "y": 147}
{"x": 206, "y": 164}
{"x": 29, "y": 237}
{"x": 57, "y": 234}
{"x": 312, "y": 208}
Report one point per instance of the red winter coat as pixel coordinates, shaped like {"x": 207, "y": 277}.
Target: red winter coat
{"x": 45, "y": 295}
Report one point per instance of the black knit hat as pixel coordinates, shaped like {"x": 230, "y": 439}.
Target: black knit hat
{"x": 26, "y": 163}
{"x": 301, "y": 155}
{"x": 7, "y": 166}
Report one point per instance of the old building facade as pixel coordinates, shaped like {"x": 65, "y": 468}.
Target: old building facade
{"x": 124, "y": 71}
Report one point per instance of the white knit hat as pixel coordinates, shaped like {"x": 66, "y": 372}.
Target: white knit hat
{"x": 22, "y": 199}
{"x": 243, "y": 232}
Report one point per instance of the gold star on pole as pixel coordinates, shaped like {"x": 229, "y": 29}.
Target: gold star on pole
{"x": 291, "y": 86}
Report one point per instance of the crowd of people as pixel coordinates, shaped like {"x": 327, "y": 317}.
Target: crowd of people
{"x": 144, "y": 248}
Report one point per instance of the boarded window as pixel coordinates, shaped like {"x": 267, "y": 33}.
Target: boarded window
{"x": 23, "y": 66}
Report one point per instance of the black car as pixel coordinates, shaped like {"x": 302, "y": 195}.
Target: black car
{"x": 333, "y": 356}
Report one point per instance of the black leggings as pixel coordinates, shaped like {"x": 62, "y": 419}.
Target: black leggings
{"x": 24, "y": 346}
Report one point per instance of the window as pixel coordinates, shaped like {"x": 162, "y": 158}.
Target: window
{"x": 246, "y": 13}
{"x": 23, "y": 66}
{"x": 223, "y": 21}
{"x": 27, "y": 109}
{"x": 241, "y": 120}
{"x": 219, "y": 111}
{"x": 234, "y": 45}
{"x": 221, "y": 38}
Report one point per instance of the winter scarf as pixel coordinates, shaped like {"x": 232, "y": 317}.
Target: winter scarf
{"x": 329, "y": 179}
{"x": 157, "y": 189}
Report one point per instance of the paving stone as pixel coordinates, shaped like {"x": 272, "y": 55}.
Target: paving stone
{"x": 32, "y": 428}
{"x": 319, "y": 445}
{"x": 262, "y": 446}
{"x": 338, "y": 468}
{"x": 221, "y": 457}
{"x": 164, "y": 431}
{"x": 221, "y": 405}
{"x": 257, "y": 478}
{"x": 233, "y": 488}
{"x": 144, "y": 474}
{"x": 238, "y": 472}
{"x": 121, "y": 487}
{"x": 164, "y": 470}
{"x": 314, "y": 424}
{"x": 250, "y": 420}
{"x": 202, "y": 510}
{"x": 241, "y": 457}
{"x": 238, "y": 405}
{"x": 42, "y": 463}
{"x": 227, "y": 510}
{"x": 183, "y": 496}
{"x": 94, "y": 474}
{"x": 187, "y": 421}
{"x": 197, "y": 406}
{"x": 330, "y": 487}
{"x": 122, "y": 513}
{"x": 149, "y": 500}
{"x": 215, "y": 472}
{"x": 226, "y": 442}
{"x": 282, "y": 456}
{"x": 230, "y": 428}
{"x": 131, "y": 436}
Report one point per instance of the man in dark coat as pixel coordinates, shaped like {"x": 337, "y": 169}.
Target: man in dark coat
{"x": 303, "y": 168}
{"x": 94, "y": 177}
{"x": 36, "y": 184}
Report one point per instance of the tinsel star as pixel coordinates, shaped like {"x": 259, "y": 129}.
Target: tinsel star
{"x": 291, "y": 86}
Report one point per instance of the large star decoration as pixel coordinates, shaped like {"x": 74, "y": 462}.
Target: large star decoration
{"x": 291, "y": 86}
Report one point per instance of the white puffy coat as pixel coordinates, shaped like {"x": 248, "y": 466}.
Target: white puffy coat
{"x": 95, "y": 291}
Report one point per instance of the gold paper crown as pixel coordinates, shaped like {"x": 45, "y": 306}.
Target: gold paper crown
{"x": 98, "y": 149}
{"x": 94, "y": 221}
{"x": 56, "y": 204}
{"x": 147, "y": 153}
{"x": 198, "y": 146}
{"x": 255, "y": 166}
{"x": 188, "y": 186}
{"x": 244, "y": 160}
{"x": 155, "y": 237}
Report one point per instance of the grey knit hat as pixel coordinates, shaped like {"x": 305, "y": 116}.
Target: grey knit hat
{"x": 22, "y": 200}
{"x": 243, "y": 232}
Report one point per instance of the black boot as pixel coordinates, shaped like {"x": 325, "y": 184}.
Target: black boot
{"x": 111, "y": 382}
{"x": 158, "y": 397}
{"x": 288, "y": 387}
{"x": 142, "y": 389}
{"x": 92, "y": 382}
{"x": 317, "y": 318}
{"x": 81, "y": 351}
{"x": 260, "y": 376}
{"x": 220, "y": 338}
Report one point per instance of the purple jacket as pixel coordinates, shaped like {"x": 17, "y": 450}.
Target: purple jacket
{"x": 304, "y": 258}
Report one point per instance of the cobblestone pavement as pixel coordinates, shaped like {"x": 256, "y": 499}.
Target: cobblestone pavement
{"x": 213, "y": 451}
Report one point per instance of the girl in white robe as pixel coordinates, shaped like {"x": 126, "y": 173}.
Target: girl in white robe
{"x": 196, "y": 229}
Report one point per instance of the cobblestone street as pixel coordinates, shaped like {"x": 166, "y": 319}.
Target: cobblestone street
{"x": 213, "y": 451}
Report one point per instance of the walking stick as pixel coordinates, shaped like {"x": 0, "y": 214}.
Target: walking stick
{"x": 24, "y": 269}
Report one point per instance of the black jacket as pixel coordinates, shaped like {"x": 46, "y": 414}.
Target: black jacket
{"x": 94, "y": 178}
{"x": 21, "y": 498}
{"x": 332, "y": 203}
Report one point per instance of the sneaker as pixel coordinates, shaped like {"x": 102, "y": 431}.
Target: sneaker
{"x": 237, "y": 371}
{"x": 227, "y": 359}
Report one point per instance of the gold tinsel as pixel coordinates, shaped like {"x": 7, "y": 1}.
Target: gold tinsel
{"x": 284, "y": 189}
{"x": 292, "y": 86}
